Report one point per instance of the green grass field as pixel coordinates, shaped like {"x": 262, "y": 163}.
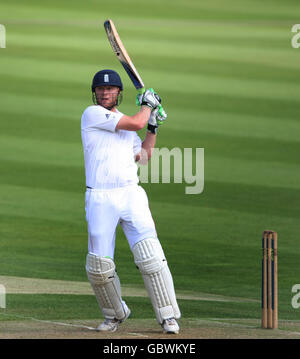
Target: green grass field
{"x": 229, "y": 80}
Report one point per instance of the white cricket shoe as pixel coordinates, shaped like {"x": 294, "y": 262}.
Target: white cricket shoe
{"x": 111, "y": 325}
{"x": 170, "y": 326}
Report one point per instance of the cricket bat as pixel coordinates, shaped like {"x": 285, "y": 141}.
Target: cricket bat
{"x": 122, "y": 55}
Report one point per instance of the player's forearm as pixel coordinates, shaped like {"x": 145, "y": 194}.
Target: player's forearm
{"x": 147, "y": 147}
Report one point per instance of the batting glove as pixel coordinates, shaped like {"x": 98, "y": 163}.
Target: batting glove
{"x": 157, "y": 117}
{"x": 149, "y": 98}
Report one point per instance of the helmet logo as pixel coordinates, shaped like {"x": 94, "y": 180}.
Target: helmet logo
{"x": 106, "y": 78}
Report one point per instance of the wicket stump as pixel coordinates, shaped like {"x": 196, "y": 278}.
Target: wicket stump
{"x": 269, "y": 301}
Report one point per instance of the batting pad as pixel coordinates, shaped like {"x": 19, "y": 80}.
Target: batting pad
{"x": 101, "y": 272}
{"x": 150, "y": 259}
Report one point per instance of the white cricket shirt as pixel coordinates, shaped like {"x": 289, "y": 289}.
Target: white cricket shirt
{"x": 109, "y": 154}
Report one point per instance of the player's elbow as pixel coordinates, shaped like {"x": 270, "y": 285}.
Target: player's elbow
{"x": 134, "y": 126}
{"x": 139, "y": 125}
{"x": 130, "y": 123}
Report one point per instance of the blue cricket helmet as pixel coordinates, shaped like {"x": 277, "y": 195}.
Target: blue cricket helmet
{"x": 106, "y": 78}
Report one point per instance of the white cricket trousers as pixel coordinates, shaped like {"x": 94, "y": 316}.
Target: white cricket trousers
{"x": 106, "y": 208}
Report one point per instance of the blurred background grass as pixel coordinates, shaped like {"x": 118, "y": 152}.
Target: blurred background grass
{"x": 229, "y": 80}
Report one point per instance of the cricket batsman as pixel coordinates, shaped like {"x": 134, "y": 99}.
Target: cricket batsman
{"x": 113, "y": 196}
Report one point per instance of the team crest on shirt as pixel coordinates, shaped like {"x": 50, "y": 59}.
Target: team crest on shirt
{"x": 107, "y": 115}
